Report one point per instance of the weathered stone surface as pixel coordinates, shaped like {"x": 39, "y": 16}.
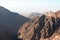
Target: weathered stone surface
{"x": 46, "y": 27}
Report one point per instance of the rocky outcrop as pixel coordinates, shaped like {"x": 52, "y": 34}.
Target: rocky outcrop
{"x": 41, "y": 28}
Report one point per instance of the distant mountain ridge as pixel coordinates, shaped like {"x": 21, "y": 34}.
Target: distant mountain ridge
{"x": 34, "y": 14}
{"x": 10, "y": 21}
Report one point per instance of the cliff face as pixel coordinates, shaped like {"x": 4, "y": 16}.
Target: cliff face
{"x": 41, "y": 28}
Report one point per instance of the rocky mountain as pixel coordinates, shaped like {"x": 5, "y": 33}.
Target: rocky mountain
{"x": 45, "y": 27}
{"x": 10, "y": 22}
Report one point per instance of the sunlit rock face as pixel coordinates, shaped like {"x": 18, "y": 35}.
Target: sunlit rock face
{"x": 53, "y": 14}
{"x": 45, "y": 27}
{"x": 57, "y": 14}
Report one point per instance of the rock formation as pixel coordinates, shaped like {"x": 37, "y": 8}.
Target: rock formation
{"x": 41, "y": 28}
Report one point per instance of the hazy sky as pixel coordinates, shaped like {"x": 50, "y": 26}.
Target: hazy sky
{"x": 31, "y": 5}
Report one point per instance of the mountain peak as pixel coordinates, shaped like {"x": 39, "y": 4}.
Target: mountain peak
{"x": 2, "y": 9}
{"x": 44, "y": 27}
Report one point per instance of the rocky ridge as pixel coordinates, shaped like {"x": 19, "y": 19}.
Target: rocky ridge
{"x": 45, "y": 27}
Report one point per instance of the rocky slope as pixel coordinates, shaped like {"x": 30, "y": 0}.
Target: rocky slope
{"x": 46, "y": 27}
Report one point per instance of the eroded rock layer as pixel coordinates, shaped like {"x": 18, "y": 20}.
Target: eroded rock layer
{"x": 44, "y": 27}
